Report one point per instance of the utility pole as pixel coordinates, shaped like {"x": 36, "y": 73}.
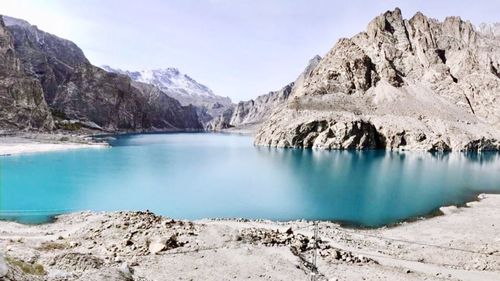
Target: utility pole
{"x": 315, "y": 253}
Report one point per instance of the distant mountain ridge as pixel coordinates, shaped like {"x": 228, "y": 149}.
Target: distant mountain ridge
{"x": 181, "y": 87}
{"x": 252, "y": 113}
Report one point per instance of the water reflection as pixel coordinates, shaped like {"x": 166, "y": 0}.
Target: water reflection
{"x": 211, "y": 175}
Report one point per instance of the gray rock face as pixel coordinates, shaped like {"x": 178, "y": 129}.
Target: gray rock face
{"x": 255, "y": 112}
{"x": 416, "y": 84}
{"x": 77, "y": 90}
{"x": 45, "y": 56}
{"x": 22, "y": 104}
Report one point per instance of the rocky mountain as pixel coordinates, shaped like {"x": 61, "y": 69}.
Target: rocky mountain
{"x": 417, "y": 84}
{"x": 81, "y": 95}
{"x": 253, "y": 113}
{"x": 22, "y": 104}
{"x": 182, "y": 88}
{"x": 491, "y": 30}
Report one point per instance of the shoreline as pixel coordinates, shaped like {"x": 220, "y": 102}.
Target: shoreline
{"x": 462, "y": 244}
{"x": 30, "y": 143}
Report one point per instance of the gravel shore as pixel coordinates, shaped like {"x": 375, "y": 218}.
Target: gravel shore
{"x": 462, "y": 244}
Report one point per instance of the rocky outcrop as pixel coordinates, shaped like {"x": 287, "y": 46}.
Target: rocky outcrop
{"x": 406, "y": 84}
{"x": 22, "y": 104}
{"x": 356, "y": 134}
{"x": 221, "y": 122}
{"x": 255, "y": 112}
{"x": 81, "y": 95}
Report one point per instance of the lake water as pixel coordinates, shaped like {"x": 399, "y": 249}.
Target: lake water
{"x": 201, "y": 175}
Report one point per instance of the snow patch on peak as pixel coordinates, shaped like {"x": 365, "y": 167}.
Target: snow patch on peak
{"x": 175, "y": 84}
{"x": 169, "y": 80}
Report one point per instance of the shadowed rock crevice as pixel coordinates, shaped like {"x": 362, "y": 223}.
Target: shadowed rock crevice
{"x": 494, "y": 70}
{"x": 470, "y": 105}
{"x": 442, "y": 55}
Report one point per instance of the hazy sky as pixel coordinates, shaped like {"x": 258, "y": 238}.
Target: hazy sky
{"x": 238, "y": 48}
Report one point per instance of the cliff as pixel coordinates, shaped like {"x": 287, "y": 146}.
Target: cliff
{"x": 22, "y": 104}
{"x": 81, "y": 95}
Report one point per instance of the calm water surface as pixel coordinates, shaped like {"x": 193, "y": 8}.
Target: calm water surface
{"x": 200, "y": 175}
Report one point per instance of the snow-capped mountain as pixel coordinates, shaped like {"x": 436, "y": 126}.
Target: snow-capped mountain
{"x": 177, "y": 85}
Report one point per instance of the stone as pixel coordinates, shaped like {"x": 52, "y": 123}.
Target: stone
{"x": 4, "y": 269}
{"x": 126, "y": 270}
{"x": 157, "y": 246}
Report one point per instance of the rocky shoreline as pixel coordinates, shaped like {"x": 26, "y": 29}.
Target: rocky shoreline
{"x": 463, "y": 244}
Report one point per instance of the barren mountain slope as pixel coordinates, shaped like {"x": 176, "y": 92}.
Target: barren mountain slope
{"x": 402, "y": 84}
{"x": 81, "y": 95}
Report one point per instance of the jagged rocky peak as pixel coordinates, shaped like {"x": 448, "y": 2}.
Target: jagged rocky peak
{"x": 45, "y": 56}
{"x": 64, "y": 50}
{"x": 395, "y": 50}
{"x": 491, "y": 30}
{"x": 345, "y": 69}
{"x": 413, "y": 84}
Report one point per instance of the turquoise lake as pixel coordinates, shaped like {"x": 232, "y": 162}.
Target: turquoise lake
{"x": 201, "y": 175}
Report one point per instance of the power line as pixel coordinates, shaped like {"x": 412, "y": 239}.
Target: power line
{"x": 417, "y": 243}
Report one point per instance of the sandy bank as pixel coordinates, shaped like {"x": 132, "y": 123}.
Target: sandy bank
{"x": 464, "y": 244}
{"x": 31, "y": 143}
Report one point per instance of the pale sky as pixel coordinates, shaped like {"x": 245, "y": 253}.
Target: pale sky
{"x": 238, "y": 48}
